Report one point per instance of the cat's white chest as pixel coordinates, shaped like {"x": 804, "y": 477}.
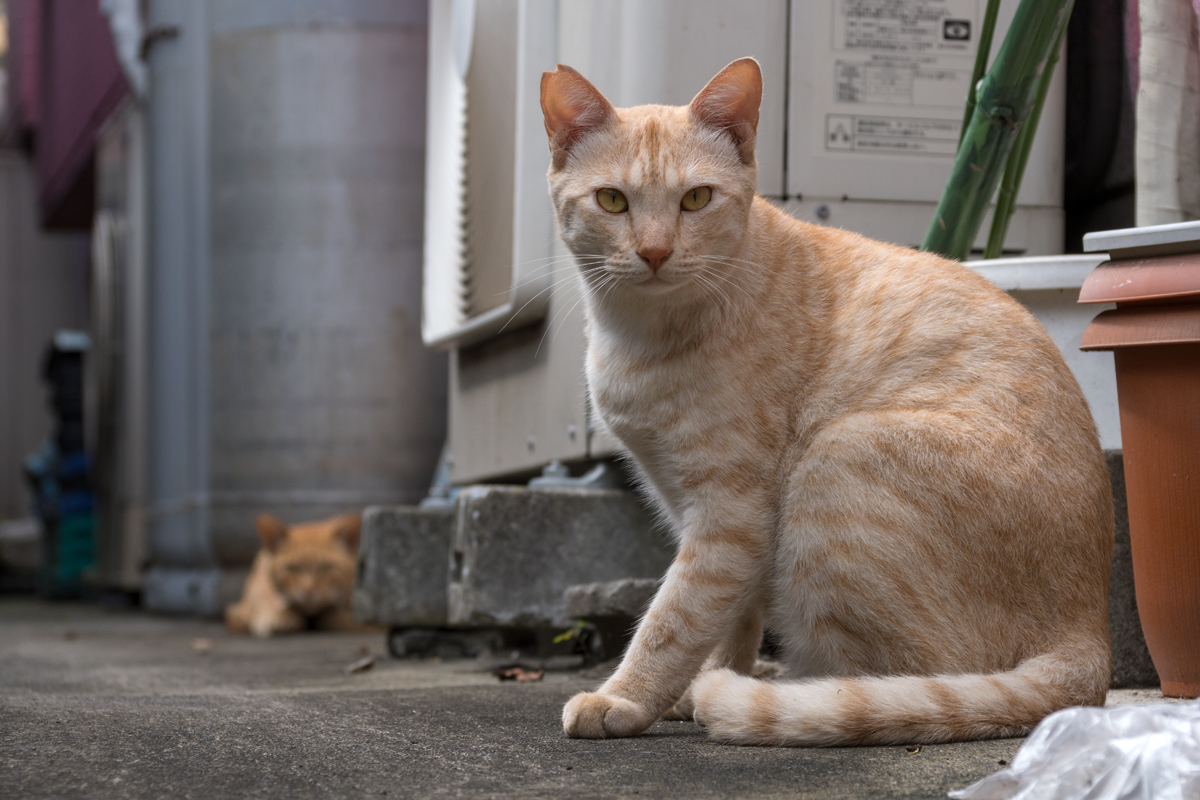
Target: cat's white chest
{"x": 656, "y": 410}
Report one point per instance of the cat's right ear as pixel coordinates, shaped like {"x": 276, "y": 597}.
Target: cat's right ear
{"x": 572, "y": 107}
{"x": 271, "y": 531}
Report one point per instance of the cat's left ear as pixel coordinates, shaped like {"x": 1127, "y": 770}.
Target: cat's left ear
{"x": 730, "y": 103}
{"x": 347, "y": 530}
{"x": 572, "y": 107}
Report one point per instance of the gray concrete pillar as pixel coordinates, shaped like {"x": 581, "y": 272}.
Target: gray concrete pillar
{"x": 286, "y": 182}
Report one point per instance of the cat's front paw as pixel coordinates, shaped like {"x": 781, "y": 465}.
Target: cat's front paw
{"x": 261, "y": 628}
{"x": 592, "y": 715}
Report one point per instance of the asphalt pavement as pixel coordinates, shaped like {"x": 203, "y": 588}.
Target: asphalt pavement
{"x": 98, "y": 703}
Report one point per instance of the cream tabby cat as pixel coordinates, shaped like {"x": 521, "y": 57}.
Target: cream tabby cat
{"x": 871, "y": 451}
{"x": 302, "y": 577}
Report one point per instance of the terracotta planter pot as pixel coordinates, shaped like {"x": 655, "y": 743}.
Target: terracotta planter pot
{"x": 1154, "y": 334}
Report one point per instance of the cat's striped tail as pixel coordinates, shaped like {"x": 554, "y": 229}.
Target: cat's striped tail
{"x": 739, "y": 709}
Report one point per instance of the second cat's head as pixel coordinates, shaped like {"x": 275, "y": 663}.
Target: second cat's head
{"x": 312, "y": 563}
{"x": 653, "y": 197}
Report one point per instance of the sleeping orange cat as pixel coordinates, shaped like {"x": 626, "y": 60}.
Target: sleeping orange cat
{"x": 302, "y": 577}
{"x": 870, "y": 451}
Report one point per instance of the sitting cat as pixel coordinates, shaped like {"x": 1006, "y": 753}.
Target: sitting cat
{"x": 301, "y": 578}
{"x": 871, "y": 451}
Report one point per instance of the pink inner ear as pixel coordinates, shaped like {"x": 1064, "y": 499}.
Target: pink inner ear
{"x": 571, "y": 106}
{"x": 731, "y": 100}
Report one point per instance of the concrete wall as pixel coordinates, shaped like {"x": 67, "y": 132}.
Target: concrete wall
{"x": 43, "y": 287}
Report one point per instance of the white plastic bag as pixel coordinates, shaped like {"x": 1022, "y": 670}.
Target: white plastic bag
{"x": 1149, "y": 752}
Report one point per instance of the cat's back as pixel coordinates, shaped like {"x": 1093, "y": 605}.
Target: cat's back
{"x": 863, "y": 280}
{"x": 957, "y": 367}
{"x": 898, "y": 326}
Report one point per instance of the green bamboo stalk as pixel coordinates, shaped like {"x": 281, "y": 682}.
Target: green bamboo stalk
{"x": 1005, "y": 99}
{"x": 983, "y": 49}
{"x": 1014, "y": 170}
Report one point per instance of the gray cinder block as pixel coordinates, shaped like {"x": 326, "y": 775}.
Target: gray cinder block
{"x": 516, "y": 550}
{"x": 612, "y": 610}
{"x": 402, "y": 556}
{"x": 627, "y": 598}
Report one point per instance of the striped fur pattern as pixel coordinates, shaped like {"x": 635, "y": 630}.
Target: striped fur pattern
{"x": 870, "y": 451}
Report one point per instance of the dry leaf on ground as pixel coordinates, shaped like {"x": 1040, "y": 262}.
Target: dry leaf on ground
{"x": 519, "y": 674}
{"x": 362, "y": 665}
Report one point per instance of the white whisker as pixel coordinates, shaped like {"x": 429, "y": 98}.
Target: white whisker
{"x": 561, "y": 316}
{"x": 571, "y": 266}
{"x": 516, "y": 313}
{"x": 725, "y": 300}
{"x": 740, "y": 263}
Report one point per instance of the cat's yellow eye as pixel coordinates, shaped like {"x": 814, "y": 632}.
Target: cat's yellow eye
{"x": 612, "y": 200}
{"x": 696, "y": 199}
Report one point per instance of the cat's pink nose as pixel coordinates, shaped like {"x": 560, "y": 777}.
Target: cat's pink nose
{"x": 655, "y": 256}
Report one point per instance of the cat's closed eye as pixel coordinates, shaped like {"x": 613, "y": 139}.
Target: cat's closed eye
{"x": 696, "y": 199}
{"x": 612, "y": 200}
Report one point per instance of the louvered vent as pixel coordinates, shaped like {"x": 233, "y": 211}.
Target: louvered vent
{"x": 491, "y": 152}
{"x": 464, "y": 240}
{"x": 479, "y": 278}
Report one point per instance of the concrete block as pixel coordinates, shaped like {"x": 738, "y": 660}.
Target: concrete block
{"x": 1131, "y": 667}
{"x": 627, "y": 598}
{"x": 516, "y": 551}
{"x": 611, "y": 611}
{"x": 402, "y": 555}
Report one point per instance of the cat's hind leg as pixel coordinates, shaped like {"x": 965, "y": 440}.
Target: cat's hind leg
{"x": 951, "y": 585}
{"x": 737, "y": 653}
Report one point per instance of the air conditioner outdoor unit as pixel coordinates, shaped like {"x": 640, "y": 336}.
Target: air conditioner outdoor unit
{"x": 488, "y": 229}
{"x": 861, "y": 111}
